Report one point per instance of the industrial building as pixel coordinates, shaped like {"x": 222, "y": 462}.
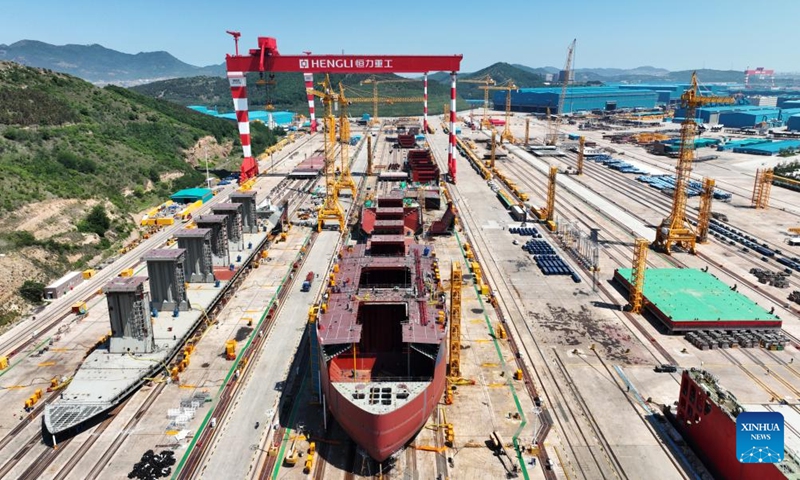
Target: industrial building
{"x": 671, "y": 93}
{"x": 191, "y": 195}
{"x": 742, "y": 116}
{"x": 62, "y": 285}
{"x": 577, "y": 99}
{"x": 793, "y": 123}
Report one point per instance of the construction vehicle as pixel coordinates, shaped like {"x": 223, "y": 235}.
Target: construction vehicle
{"x": 675, "y": 230}
{"x": 291, "y": 455}
{"x": 307, "y": 282}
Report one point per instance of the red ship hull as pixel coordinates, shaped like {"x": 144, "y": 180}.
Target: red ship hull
{"x": 383, "y": 435}
{"x": 711, "y": 432}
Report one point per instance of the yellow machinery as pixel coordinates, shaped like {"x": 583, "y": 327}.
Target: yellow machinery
{"x": 704, "y": 215}
{"x": 375, "y": 82}
{"x": 128, "y": 272}
{"x": 675, "y": 229}
{"x": 455, "y": 321}
{"x": 291, "y": 456}
{"x": 3, "y": 363}
{"x": 551, "y": 198}
{"x": 30, "y": 402}
{"x": 763, "y": 186}
{"x": 486, "y": 81}
{"x": 795, "y": 230}
{"x": 508, "y": 86}
{"x": 637, "y": 274}
{"x": 87, "y": 274}
{"x": 230, "y": 350}
{"x": 330, "y": 209}
{"x": 581, "y": 145}
{"x": 345, "y": 180}
{"x": 312, "y": 450}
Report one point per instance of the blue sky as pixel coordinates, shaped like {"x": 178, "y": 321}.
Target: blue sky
{"x": 730, "y": 34}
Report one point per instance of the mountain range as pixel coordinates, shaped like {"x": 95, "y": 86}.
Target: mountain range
{"x": 101, "y": 65}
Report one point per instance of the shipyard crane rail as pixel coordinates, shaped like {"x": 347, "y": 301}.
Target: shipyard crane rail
{"x": 508, "y": 87}
{"x": 266, "y": 58}
{"x": 675, "y": 229}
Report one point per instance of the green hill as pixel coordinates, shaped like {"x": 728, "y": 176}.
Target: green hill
{"x": 500, "y": 72}
{"x": 61, "y": 137}
{"x": 288, "y": 93}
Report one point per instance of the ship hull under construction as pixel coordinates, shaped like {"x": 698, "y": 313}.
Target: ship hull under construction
{"x": 383, "y": 434}
{"x": 381, "y": 335}
{"x": 105, "y": 379}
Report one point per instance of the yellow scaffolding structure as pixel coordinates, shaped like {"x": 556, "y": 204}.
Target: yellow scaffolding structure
{"x": 704, "y": 215}
{"x": 637, "y": 274}
{"x": 581, "y": 144}
{"x": 551, "y": 194}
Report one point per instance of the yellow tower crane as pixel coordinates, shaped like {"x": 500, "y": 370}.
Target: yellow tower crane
{"x": 508, "y": 87}
{"x": 704, "y": 215}
{"x": 567, "y": 77}
{"x": 345, "y": 180}
{"x": 330, "y": 209}
{"x": 637, "y": 274}
{"x": 581, "y": 145}
{"x": 375, "y": 81}
{"x": 675, "y": 229}
{"x": 487, "y": 81}
{"x": 455, "y": 321}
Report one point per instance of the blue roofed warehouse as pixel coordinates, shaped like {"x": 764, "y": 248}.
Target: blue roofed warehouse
{"x": 577, "y": 99}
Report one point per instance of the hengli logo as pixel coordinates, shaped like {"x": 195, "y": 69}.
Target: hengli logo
{"x": 759, "y": 437}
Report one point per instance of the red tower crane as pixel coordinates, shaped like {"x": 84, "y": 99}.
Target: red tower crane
{"x": 266, "y": 58}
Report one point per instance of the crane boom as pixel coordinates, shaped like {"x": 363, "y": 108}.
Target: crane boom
{"x": 567, "y": 77}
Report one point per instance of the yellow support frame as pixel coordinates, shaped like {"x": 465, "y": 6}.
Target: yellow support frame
{"x": 455, "y": 321}
{"x": 637, "y": 274}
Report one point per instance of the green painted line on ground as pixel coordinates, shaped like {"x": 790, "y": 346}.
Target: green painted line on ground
{"x": 515, "y": 438}
{"x": 279, "y": 460}
{"x": 28, "y": 354}
{"x": 233, "y": 368}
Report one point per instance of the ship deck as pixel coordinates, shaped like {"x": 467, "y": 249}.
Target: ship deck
{"x": 380, "y": 398}
{"x": 104, "y": 378}
{"x": 687, "y": 299}
{"x": 354, "y": 290}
